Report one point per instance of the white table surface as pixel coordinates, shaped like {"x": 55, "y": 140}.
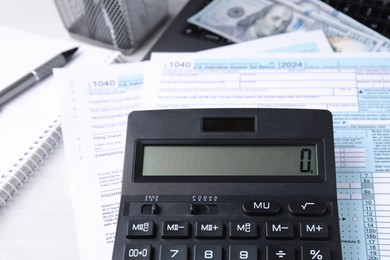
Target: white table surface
{"x": 38, "y": 222}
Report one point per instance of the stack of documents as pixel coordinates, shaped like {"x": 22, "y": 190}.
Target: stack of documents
{"x": 305, "y": 73}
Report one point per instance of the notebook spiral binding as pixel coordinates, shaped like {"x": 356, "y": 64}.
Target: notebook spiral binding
{"x": 14, "y": 178}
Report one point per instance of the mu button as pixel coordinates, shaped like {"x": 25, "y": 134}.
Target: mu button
{"x": 261, "y": 207}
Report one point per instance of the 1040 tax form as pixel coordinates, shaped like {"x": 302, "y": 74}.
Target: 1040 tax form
{"x": 355, "y": 88}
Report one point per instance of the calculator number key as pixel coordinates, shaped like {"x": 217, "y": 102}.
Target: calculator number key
{"x": 243, "y": 252}
{"x": 138, "y": 252}
{"x": 208, "y": 252}
{"x": 174, "y": 252}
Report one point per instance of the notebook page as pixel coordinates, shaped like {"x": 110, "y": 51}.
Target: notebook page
{"x": 25, "y": 118}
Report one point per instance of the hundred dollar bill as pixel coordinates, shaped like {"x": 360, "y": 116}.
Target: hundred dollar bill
{"x": 250, "y": 19}
{"x": 353, "y": 37}
{"x": 316, "y": 8}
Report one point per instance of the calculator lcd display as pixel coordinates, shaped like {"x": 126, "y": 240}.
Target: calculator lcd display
{"x": 224, "y": 160}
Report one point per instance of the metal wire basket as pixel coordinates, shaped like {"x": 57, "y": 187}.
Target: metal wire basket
{"x": 120, "y": 24}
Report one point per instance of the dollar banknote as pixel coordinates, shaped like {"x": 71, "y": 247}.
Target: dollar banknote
{"x": 250, "y": 19}
{"x": 316, "y": 8}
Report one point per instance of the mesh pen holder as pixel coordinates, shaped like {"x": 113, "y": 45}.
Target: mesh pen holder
{"x": 119, "y": 24}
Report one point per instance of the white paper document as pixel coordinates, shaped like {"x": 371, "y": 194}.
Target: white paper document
{"x": 94, "y": 114}
{"x": 296, "y": 80}
{"x": 300, "y": 41}
{"x": 355, "y": 88}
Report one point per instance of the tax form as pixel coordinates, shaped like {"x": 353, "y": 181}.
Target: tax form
{"x": 355, "y": 88}
{"x": 95, "y": 103}
{"x": 299, "y": 41}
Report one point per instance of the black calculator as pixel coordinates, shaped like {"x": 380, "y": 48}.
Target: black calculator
{"x": 229, "y": 184}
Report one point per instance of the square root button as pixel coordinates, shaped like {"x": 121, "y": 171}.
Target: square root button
{"x": 307, "y": 208}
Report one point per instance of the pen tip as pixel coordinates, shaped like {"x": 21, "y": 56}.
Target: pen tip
{"x": 69, "y": 53}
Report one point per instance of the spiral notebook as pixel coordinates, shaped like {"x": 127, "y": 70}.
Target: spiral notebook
{"x": 30, "y": 127}
{"x": 29, "y": 161}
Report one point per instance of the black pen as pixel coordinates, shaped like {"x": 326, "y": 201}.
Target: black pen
{"x": 35, "y": 76}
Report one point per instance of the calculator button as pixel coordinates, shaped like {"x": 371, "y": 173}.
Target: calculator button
{"x": 205, "y": 229}
{"x": 176, "y": 229}
{"x": 208, "y": 252}
{"x": 174, "y": 252}
{"x": 316, "y": 253}
{"x": 243, "y": 230}
{"x": 279, "y": 230}
{"x": 138, "y": 252}
{"x": 280, "y": 253}
{"x": 313, "y": 230}
{"x": 243, "y": 252}
{"x": 140, "y": 229}
{"x": 307, "y": 208}
{"x": 258, "y": 208}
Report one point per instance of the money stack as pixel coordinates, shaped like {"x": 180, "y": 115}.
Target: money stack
{"x": 245, "y": 20}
